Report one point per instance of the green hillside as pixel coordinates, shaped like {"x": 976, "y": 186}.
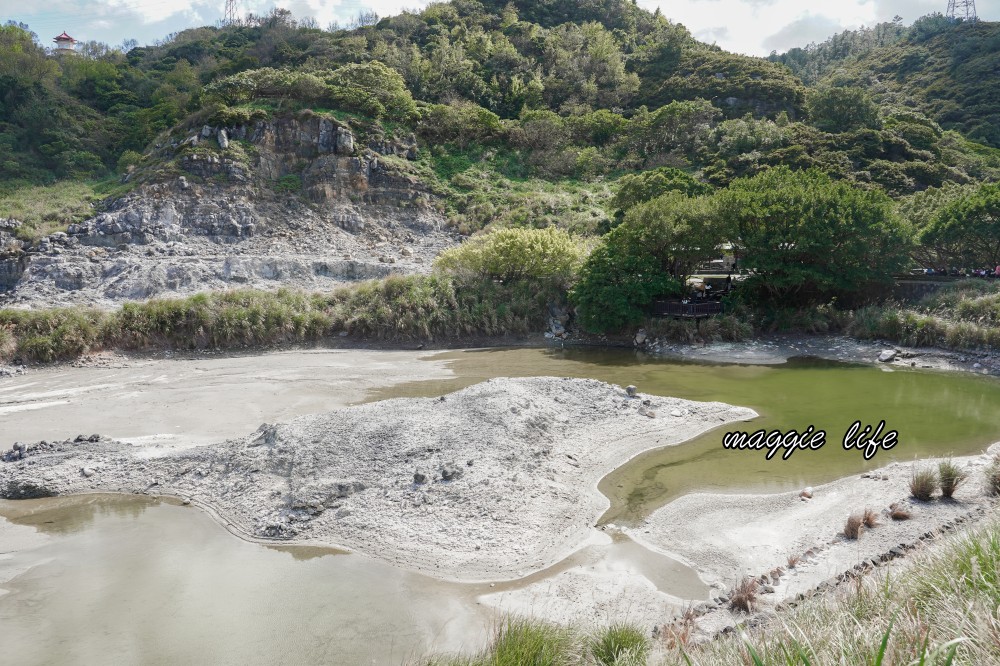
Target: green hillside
{"x": 946, "y": 70}
{"x": 524, "y": 111}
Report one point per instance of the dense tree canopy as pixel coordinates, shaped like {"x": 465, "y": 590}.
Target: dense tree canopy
{"x": 964, "y": 231}
{"x": 649, "y": 255}
{"x": 806, "y": 238}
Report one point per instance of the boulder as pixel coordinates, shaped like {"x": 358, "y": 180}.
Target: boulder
{"x": 887, "y": 356}
{"x": 345, "y": 141}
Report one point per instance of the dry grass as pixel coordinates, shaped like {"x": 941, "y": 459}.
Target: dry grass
{"x": 677, "y": 634}
{"x": 744, "y": 595}
{"x": 870, "y": 518}
{"x": 897, "y": 512}
{"x": 793, "y": 560}
{"x": 854, "y": 525}
{"x": 942, "y": 601}
{"x": 923, "y": 483}
{"x": 951, "y": 476}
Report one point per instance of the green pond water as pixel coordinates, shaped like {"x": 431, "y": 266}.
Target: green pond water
{"x": 935, "y": 413}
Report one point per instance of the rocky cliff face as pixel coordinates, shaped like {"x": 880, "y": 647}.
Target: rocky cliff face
{"x": 293, "y": 201}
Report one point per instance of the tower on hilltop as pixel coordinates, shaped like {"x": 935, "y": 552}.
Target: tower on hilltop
{"x": 230, "y": 17}
{"x": 64, "y": 44}
{"x": 962, "y": 9}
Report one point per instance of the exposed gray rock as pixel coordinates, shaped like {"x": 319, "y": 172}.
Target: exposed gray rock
{"x": 223, "y": 223}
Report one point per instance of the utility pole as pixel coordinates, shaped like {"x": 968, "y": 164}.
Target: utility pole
{"x": 962, "y": 9}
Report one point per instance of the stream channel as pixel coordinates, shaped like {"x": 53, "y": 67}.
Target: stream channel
{"x": 113, "y": 579}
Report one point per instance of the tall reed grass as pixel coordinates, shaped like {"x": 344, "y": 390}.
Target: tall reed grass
{"x": 397, "y": 308}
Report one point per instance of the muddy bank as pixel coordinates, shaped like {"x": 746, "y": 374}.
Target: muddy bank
{"x": 777, "y": 348}
{"x": 491, "y": 482}
{"x": 728, "y": 537}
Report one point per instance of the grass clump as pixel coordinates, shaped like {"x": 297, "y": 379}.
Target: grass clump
{"x": 620, "y": 645}
{"x": 992, "y": 477}
{"x": 854, "y": 525}
{"x": 870, "y": 518}
{"x": 951, "y": 477}
{"x": 396, "y": 308}
{"x": 524, "y": 642}
{"x": 744, "y": 595}
{"x": 521, "y": 641}
{"x": 923, "y": 483}
{"x": 897, "y": 512}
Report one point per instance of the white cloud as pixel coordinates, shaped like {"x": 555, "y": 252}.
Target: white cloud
{"x": 801, "y": 32}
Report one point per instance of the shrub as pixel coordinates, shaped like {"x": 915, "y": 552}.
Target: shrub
{"x": 289, "y": 184}
{"x": 852, "y": 528}
{"x": 545, "y": 255}
{"x": 128, "y": 159}
{"x": 923, "y": 482}
{"x": 744, "y": 595}
{"x": 619, "y": 645}
{"x": 951, "y": 476}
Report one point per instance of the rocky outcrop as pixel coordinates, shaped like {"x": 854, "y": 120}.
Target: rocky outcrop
{"x": 292, "y": 201}
{"x": 13, "y": 258}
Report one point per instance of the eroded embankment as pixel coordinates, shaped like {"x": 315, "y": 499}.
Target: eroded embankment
{"x": 794, "y": 543}
{"x": 490, "y": 482}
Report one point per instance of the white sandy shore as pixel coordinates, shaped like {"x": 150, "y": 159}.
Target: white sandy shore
{"x": 726, "y": 537}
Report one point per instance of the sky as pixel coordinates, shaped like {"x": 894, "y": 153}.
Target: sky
{"x": 753, "y": 27}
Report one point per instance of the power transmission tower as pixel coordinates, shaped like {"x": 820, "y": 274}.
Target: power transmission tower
{"x": 962, "y": 9}
{"x": 231, "y": 17}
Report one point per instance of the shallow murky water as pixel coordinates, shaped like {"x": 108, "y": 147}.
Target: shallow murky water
{"x": 136, "y": 580}
{"x": 129, "y": 580}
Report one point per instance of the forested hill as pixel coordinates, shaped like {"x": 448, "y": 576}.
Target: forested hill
{"x": 70, "y": 117}
{"x": 948, "y": 70}
{"x": 523, "y": 110}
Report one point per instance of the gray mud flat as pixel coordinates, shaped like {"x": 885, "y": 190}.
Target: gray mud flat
{"x": 491, "y": 482}
{"x": 197, "y": 400}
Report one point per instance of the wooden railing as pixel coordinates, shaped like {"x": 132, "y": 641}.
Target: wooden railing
{"x": 690, "y": 310}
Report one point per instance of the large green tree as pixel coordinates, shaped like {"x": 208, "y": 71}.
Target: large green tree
{"x": 806, "y": 238}
{"x": 965, "y": 232}
{"x": 649, "y": 255}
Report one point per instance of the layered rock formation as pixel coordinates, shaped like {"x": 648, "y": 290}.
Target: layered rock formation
{"x": 292, "y": 201}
